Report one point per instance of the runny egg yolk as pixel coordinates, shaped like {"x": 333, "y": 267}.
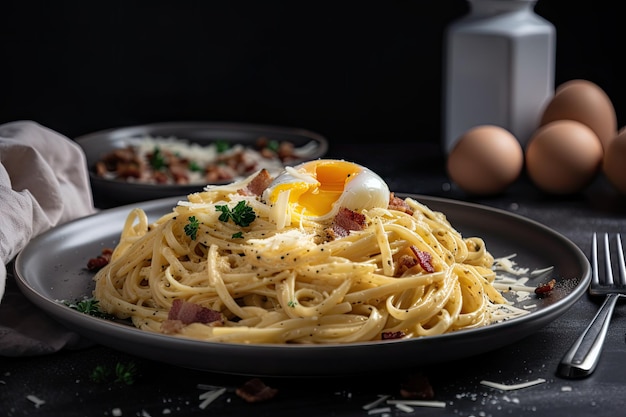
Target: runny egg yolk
{"x": 317, "y": 189}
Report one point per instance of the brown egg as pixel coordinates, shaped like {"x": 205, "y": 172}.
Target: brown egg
{"x": 485, "y": 160}
{"x": 585, "y": 102}
{"x": 614, "y": 162}
{"x": 563, "y": 157}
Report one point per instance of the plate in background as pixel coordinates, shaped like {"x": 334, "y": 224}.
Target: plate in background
{"x": 52, "y": 267}
{"x": 110, "y": 192}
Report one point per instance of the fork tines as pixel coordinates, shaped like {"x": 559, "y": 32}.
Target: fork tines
{"x": 610, "y": 281}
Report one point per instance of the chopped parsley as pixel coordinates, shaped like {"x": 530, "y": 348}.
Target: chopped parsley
{"x": 242, "y": 214}
{"x": 238, "y": 235}
{"x": 222, "y": 145}
{"x": 292, "y": 304}
{"x": 89, "y": 306}
{"x": 194, "y": 167}
{"x": 157, "y": 160}
{"x": 124, "y": 373}
{"x": 273, "y": 145}
{"x": 191, "y": 229}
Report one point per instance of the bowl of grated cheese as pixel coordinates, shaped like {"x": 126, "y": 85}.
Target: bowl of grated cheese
{"x": 146, "y": 162}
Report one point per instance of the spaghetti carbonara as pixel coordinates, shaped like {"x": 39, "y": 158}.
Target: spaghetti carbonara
{"x": 283, "y": 276}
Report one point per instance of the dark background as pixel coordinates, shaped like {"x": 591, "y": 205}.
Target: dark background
{"x": 350, "y": 70}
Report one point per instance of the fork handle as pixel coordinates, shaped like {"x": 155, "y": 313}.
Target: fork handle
{"x": 581, "y": 359}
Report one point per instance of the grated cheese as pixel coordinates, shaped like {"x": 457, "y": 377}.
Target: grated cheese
{"x": 375, "y": 403}
{"x": 379, "y": 410}
{"x": 404, "y": 407}
{"x": 418, "y": 403}
{"x": 505, "y": 387}
{"x": 35, "y": 400}
{"x": 210, "y": 396}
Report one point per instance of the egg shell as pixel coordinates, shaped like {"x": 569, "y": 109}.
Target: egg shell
{"x": 614, "y": 162}
{"x": 485, "y": 160}
{"x": 563, "y": 157}
{"x": 584, "y": 102}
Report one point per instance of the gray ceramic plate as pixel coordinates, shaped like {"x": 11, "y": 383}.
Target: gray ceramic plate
{"x": 52, "y": 268}
{"x": 97, "y": 144}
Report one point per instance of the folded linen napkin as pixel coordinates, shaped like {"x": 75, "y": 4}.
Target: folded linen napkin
{"x": 43, "y": 183}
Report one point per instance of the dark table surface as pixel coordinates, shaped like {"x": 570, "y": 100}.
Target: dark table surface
{"x": 63, "y": 381}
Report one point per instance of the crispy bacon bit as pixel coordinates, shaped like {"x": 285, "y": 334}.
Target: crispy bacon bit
{"x": 183, "y": 313}
{"x": 179, "y": 170}
{"x": 399, "y": 204}
{"x": 545, "y": 289}
{"x": 344, "y": 222}
{"x": 425, "y": 259}
{"x": 255, "y": 390}
{"x": 417, "y": 386}
{"x": 192, "y": 313}
{"x": 392, "y": 335}
{"x": 102, "y": 260}
{"x": 216, "y": 173}
{"x": 285, "y": 151}
{"x": 258, "y": 184}
{"x": 123, "y": 162}
{"x": 405, "y": 262}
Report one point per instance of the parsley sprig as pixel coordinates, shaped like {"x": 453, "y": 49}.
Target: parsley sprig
{"x": 124, "y": 373}
{"x": 191, "y": 228}
{"x": 157, "y": 159}
{"x": 242, "y": 214}
{"x": 89, "y": 306}
{"x": 222, "y": 146}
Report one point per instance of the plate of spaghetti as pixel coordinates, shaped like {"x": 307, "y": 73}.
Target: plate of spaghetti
{"x": 315, "y": 271}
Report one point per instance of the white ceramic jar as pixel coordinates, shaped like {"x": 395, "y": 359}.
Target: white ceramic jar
{"x": 499, "y": 69}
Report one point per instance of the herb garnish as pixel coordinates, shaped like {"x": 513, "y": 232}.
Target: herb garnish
{"x": 194, "y": 167}
{"x": 124, "y": 373}
{"x": 273, "y": 145}
{"x": 238, "y": 235}
{"x": 89, "y": 306}
{"x": 242, "y": 214}
{"x": 222, "y": 146}
{"x": 191, "y": 229}
{"x": 157, "y": 160}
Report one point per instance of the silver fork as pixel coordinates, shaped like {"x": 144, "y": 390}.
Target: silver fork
{"x": 583, "y": 356}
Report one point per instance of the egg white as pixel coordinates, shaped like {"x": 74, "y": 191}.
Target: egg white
{"x": 319, "y": 197}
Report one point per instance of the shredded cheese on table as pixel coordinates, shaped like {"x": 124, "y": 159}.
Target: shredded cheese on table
{"x": 505, "y": 387}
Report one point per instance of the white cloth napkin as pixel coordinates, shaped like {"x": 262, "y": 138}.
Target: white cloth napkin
{"x": 43, "y": 183}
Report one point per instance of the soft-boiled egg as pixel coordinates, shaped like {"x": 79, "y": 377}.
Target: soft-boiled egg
{"x": 317, "y": 189}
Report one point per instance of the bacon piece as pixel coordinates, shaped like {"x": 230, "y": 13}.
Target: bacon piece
{"x": 102, "y": 260}
{"x": 345, "y": 221}
{"x": 255, "y": 390}
{"x": 179, "y": 169}
{"x": 192, "y": 313}
{"x": 392, "y": 335}
{"x": 417, "y": 386}
{"x": 545, "y": 289}
{"x": 258, "y": 184}
{"x": 286, "y": 151}
{"x": 183, "y": 313}
{"x": 216, "y": 173}
{"x": 399, "y": 204}
{"x": 425, "y": 259}
{"x": 128, "y": 170}
{"x": 123, "y": 161}
{"x": 405, "y": 262}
